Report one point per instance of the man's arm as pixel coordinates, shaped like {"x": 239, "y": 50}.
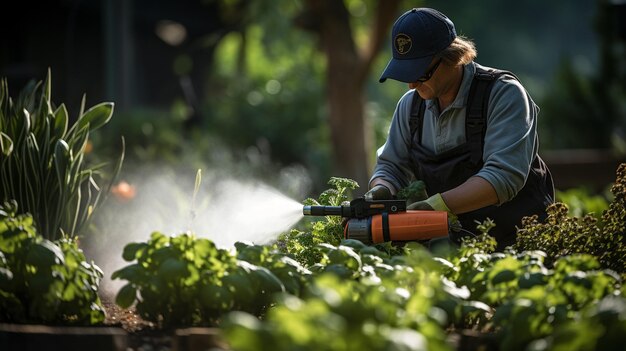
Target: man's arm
{"x": 510, "y": 139}
{"x": 473, "y": 194}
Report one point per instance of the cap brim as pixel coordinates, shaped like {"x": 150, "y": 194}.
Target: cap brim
{"x": 407, "y": 70}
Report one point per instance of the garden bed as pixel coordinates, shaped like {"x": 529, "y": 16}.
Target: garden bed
{"x": 123, "y": 330}
{"x": 27, "y": 337}
{"x": 143, "y": 335}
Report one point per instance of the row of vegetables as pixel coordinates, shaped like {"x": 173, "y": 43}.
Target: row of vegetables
{"x": 304, "y": 293}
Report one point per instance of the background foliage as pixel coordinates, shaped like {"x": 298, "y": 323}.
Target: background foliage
{"x": 265, "y": 90}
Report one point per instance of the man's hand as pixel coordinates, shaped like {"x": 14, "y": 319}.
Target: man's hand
{"x": 378, "y": 192}
{"x": 433, "y": 203}
{"x": 436, "y": 203}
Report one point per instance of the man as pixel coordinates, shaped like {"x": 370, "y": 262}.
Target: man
{"x": 467, "y": 131}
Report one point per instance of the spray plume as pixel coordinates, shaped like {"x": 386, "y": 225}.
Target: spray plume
{"x": 222, "y": 210}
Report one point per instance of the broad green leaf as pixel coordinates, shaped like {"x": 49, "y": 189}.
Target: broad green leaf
{"x": 40, "y": 283}
{"x": 240, "y": 285}
{"x": 172, "y": 269}
{"x": 371, "y": 250}
{"x": 528, "y": 279}
{"x": 131, "y": 273}
{"x": 354, "y": 244}
{"x": 45, "y": 254}
{"x": 126, "y": 296}
{"x": 97, "y": 116}
{"x": 268, "y": 282}
{"x": 503, "y": 276}
{"x": 216, "y": 297}
{"x": 345, "y": 255}
{"x": 163, "y": 254}
{"x": 340, "y": 270}
{"x": 131, "y": 250}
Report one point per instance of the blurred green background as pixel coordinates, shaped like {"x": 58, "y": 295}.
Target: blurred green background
{"x": 287, "y": 91}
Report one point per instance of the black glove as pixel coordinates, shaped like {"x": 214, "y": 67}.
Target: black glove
{"x": 378, "y": 192}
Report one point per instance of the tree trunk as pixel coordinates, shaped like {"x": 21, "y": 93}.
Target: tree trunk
{"x": 347, "y": 70}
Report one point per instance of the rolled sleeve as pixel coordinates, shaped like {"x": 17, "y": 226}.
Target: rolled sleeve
{"x": 510, "y": 138}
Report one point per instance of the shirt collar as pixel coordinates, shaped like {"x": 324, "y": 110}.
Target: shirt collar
{"x": 468, "y": 76}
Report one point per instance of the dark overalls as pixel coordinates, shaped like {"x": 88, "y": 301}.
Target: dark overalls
{"x": 452, "y": 168}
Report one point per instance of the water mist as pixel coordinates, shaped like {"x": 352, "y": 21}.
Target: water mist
{"x": 222, "y": 209}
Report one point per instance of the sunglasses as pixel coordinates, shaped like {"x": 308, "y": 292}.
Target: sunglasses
{"x": 429, "y": 73}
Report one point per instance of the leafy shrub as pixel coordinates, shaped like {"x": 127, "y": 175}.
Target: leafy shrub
{"x": 601, "y": 327}
{"x": 562, "y": 235}
{"x": 391, "y": 307}
{"x": 301, "y": 245}
{"x": 530, "y": 300}
{"x": 43, "y": 163}
{"x": 43, "y": 281}
{"x": 187, "y": 281}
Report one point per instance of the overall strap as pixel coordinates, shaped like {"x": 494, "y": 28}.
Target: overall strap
{"x": 416, "y": 120}
{"x": 477, "y": 109}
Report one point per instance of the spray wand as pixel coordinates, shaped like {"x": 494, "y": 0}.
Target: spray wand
{"x": 377, "y": 221}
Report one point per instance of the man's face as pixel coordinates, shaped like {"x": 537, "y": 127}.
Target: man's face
{"x": 426, "y": 85}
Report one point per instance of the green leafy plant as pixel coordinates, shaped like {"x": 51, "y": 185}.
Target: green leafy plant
{"x": 416, "y": 191}
{"x": 187, "y": 281}
{"x": 389, "y": 308}
{"x": 43, "y": 281}
{"x": 561, "y": 234}
{"x": 601, "y": 327}
{"x": 168, "y": 276}
{"x": 301, "y": 245}
{"x": 541, "y": 301}
{"x": 528, "y": 297}
{"x": 43, "y": 164}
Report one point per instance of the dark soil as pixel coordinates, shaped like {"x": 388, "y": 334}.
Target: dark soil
{"x": 146, "y": 336}
{"x": 127, "y": 319}
{"x": 142, "y": 335}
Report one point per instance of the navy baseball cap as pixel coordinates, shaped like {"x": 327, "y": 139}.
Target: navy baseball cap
{"x": 417, "y": 36}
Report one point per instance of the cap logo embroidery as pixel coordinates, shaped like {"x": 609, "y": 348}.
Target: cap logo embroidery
{"x": 402, "y": 43}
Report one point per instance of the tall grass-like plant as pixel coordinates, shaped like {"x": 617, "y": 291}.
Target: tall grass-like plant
{"x": 42, "y": 159}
